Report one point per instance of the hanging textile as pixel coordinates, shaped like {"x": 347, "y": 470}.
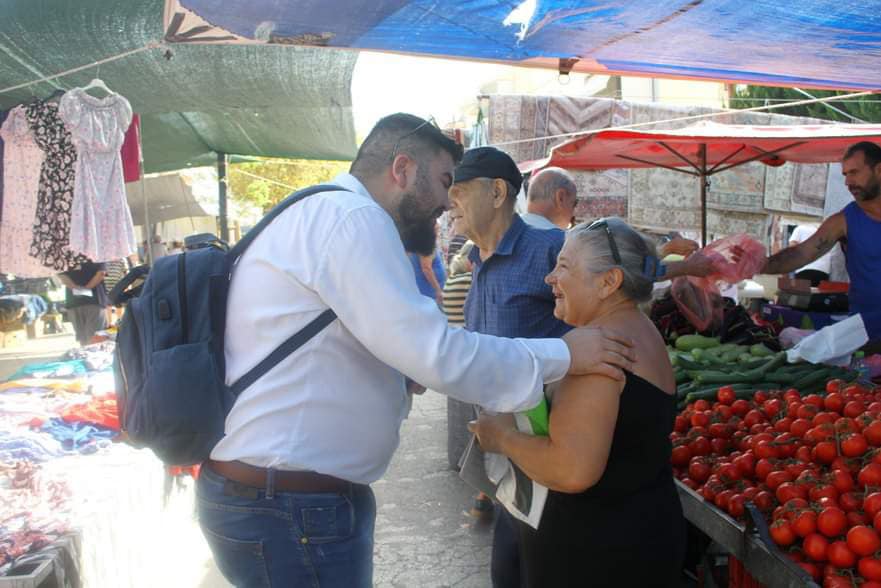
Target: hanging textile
{"x": 3, "y": 115}
{"x": 131, "y": 151}
{"x": 55, "y": 195}
{"x": 22, "y": 160}
{"x": 101, "y": 226}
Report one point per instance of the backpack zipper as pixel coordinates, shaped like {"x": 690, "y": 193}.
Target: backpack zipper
{"x": 182, "y": 295}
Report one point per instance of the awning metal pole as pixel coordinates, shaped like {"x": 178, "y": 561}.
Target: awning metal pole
{"x": 221, "y": 196}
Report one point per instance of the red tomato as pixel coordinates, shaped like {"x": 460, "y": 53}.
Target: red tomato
{"x": 876, "y": 522}
{"x": 746, "y": 463}
{"x": 764, "y": 501}
{"x": 776, "y": 478}
{"x": 766, "y": 450}
{"x": 726, "y": 395}
{"x": 680, "y": 424}
{"x": 701, "y": 405}
{"x": 854, "y": 408}
{"x": 729, "y": 473}
{"x": 719, "y": 446}
{"x": 814, "y": 399}
{"x": 847, "y": 464}
{"x": 700, "y": 446}
{"x": 863, "y": 540}
{"x": 803, "y": 454}
{"x": 870, "y": 475}
{"x": 831, "y": 521}
{"x": 815, "y": 546}
{"x": 791, "y": 395}
{"x": 854, "y": 445}
{"x": 723, "y": 412}
{"x": 857, "y": 518}
{"x": 783, "y": 425}
{"x": 772, "y": 407}
{"x": 870, "y": 568}
{"x": 740, "y": 407}
{"x": 842, "y": 480}
{"x": 786, "y": 491}
{"x": 735, "y": 505}
{"x": 833, "y": 387}
{"x": 840, "y": 555}
{"x": 849, "y": 502}
{"x": 834, "y": 402}
{"x": 700, "y": 419}
{"x": 845, "y": 425}
{"x": 807, "y": 411}
{"x": 799, "y": 427}
{"x": 872, "y": 433}
{"x": 824, "y": 452}
{"x": 872, "y": 504}
{"x": 753, "y": 417}
{"x": 722, "y": 498}
{"x": 760, "y": 396}
{"x": 680, "y": 456}
{"x": 823, "y": 491}
{"x": 786, "y": 444}
{"x": 763, "y": 468}
{"x": 782, "y": 534}
{"x": 698, "y": 471}
{"x": 804, "y": 523}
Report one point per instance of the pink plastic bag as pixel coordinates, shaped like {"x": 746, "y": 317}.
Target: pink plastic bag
{"x": 699, "y": 299}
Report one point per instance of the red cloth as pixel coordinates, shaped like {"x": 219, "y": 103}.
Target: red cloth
{"x": 101, "y": 410}
{"x": 131, "y": 151}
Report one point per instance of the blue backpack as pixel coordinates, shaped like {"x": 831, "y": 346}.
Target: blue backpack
{"x": 169, "y": 365}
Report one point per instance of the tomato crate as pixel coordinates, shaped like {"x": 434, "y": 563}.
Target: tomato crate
{"x": 758, "y": 560}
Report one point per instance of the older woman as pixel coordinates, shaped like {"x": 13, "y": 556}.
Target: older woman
{"x": 612, "y": 516}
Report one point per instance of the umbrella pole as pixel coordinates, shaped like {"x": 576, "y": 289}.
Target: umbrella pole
{"x": 221, "y": 196}
{"x": 702, "y": 166}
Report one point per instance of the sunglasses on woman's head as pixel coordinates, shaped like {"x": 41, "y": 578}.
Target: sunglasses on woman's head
{"x": 603, "y": 224}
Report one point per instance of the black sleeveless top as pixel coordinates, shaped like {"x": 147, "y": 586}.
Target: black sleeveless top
{"x": 628, "y": 529}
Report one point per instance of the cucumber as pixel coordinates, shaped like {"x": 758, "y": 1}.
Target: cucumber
{"x": 815, "y": 377}
{"x": 692, "y": 342}
{"x": 759, "y": 350}
{"x": 688, "y": 362}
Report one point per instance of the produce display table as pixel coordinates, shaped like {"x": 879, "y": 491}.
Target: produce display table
{"x": 760, "y": 558}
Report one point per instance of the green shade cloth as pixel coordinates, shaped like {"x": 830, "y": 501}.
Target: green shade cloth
{"x": 239, "y": 99}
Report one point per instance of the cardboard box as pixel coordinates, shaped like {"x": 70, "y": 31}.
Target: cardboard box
{"x": 793, "y": 285}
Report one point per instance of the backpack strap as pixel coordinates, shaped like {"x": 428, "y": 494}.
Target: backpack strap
{"x": 299, "y": 338}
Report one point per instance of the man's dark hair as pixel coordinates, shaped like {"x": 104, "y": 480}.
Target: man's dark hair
{"x": 401, "y": 133}
{"x": 871, "y": 152}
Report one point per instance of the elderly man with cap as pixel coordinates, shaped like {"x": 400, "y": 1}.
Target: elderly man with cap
{"x": 508, "y": 297}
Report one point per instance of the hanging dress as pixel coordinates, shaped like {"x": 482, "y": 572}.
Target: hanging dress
{"x": 101, "y": 225}
{"x": 55, "y": 195}
{"x": 22, "y": 160}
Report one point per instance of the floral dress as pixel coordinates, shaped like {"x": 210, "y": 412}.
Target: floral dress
{"x": 101, "y": 225}
{"x": 22, "y": 160}
{"x": 55, "y": 195}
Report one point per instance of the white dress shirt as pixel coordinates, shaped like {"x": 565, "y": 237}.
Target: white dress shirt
{"x": 335, "y": 406}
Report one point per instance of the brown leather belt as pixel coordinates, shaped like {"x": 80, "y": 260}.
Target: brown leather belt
{"x": 283, "y": 481}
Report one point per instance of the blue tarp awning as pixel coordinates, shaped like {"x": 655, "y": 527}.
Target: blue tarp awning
{"x": 808, "y": 43}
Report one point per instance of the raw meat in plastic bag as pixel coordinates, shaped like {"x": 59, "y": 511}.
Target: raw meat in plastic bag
{"x": 699, "y": 299}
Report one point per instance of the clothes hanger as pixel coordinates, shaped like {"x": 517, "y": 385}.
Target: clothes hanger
{"x": 97, "y": 84}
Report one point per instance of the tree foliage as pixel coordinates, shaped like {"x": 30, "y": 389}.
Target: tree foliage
{"x": 868, "y": 110}
{"x": 266, "y": 182}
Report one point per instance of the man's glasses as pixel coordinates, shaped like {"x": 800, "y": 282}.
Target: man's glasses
{"x": 430, "y": 121}
{"x": 602, "y": 224}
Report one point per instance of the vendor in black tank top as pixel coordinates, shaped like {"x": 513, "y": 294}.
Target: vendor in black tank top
{"x": 612, "y": 516}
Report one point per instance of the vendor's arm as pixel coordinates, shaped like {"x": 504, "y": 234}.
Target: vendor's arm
{"x": 572, "y": 458}
{"x": 696, "y": 264}
{"x": 812, "y": 249}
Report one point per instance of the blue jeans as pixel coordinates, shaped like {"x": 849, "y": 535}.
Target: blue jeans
{"x": 263, "y": 538}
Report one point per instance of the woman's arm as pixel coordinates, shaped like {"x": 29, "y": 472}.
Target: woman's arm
{"x": 573, "y": 456}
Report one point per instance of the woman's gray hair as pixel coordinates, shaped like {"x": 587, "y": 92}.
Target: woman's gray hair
{"x": 633, "y": 249}
{"x": 460, "y": 262}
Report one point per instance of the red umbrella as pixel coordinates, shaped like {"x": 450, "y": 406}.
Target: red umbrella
{"x": 706, "y": 148}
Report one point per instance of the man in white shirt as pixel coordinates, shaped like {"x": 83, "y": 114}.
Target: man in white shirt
{"x": 285, "y": 498}
{"x": 550, "y": 200}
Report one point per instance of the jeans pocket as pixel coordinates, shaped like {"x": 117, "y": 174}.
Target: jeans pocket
{"x": 242, "y": 562}
{"x": 327, "y": 517}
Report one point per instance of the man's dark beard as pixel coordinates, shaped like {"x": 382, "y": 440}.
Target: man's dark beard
{"x": 870, "y": 192}
{"x": 416, "y": 225}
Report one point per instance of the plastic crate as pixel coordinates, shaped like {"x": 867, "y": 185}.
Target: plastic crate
{"x": 29, "y": 575}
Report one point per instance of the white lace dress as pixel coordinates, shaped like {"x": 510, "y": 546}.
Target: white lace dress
{"x": 22, "y": 160}
{"x": 101, "y": 225}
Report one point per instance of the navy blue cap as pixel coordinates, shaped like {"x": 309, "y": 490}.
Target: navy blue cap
{"x": 487, "y": 162}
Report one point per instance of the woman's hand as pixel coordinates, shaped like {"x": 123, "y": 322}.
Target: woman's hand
{"x": 491, "y": 430}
